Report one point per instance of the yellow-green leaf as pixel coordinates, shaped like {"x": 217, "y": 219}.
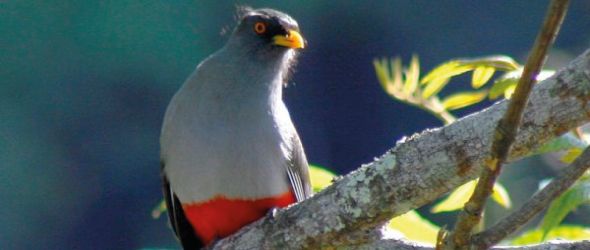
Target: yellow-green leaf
{"x": 381, "y": 70}
{"x": 509, "y": 91}
{"x": 463, "y": 99}
{"x": 445, "y": 71}
{"x": 559, "y": 208}
{"x": 320, "y": 177}
{"x": 481, "y": 75}
{"x": 396, "y": 70}
{"x": 456, "y": 199}
{"x": 571, "y": 155}
{"x": 434, "y": 87}
{"x": 412, "y": 76}
{"x": 159, "y": 209}
{"x": 564, "y": 232}
{"x": 499, "y": 87}
{"x": 499, "y": 62}
{"x": 500, "y": 195}
{"x": 414, "y": 227}
{"x": 460, "y": 196}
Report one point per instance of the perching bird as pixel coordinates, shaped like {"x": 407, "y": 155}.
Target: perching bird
{"x": 229, "y": 150}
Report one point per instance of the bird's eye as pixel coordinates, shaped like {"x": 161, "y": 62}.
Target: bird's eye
{"x": 259, "y": 28}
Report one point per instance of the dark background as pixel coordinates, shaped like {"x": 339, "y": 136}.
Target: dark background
{"x": 84, "y": 86}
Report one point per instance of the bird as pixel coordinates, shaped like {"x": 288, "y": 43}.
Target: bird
{"x": 229, "y": 151}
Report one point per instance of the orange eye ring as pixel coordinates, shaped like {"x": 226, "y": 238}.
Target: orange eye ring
{"x": 259, "y": 27}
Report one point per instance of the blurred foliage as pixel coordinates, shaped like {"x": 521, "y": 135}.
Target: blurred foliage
{"x": 563, "y": 232}
{"x": 404, "y": 84}
{"x": 321, "y": 177}
{"x": 575, "y": 196}
{"x": 459, "y": 197}
{"x": 414, "y": 227}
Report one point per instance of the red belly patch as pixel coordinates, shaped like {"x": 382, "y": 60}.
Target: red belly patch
{"x": 220, "y": 217}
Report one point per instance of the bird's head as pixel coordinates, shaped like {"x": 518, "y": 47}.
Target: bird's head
{"x": 266, "y": 31}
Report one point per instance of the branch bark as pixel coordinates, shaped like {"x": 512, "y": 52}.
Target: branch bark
{"x": 507, "y": 128}
{"x": 419, "y": 169}
{"x": 534, "y": 205}
{"x": 388, "y": 244}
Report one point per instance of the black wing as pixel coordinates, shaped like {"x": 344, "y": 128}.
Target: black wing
{"x": 182, "y": 228}
{"x": 297, "y": 170}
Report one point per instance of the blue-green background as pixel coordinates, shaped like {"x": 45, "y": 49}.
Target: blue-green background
{"x": 84, "y": 85}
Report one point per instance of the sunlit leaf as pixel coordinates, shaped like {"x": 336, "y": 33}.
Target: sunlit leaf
{"x": 460, "y": 196}
{"x": 320, "y": 177}
{"x": 414, "y": 227}
{"x": 564, "y": 232}
{"x": 509, "y": 91}
{"x": 381, "y": 70}
{"x": 571, "y": 155}
{"x": 159, "y": 209}
{"x": 499, "y": 62}
{"x": 500, "y": 196}
{"x": 412, "y": 76}
{"x": 577, "y": 195}
{"x": 499, "y": 87}
{"x": 481, "y": 75}
{"x": 463, "y": 99}
{"x": 396, "y": 70}
{"x": 456, "y": 199}
{"x": 445, "y": 71}
{"x": 434, "y": 87}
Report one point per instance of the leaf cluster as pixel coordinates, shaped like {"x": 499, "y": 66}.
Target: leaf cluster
{"x": 406, "y": 85}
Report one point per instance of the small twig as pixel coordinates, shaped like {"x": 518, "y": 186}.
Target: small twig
{"x": 535, "y": 204}
{"x": 507, "y": 127}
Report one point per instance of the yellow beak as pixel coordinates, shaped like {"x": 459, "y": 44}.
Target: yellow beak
{"x": 292, "y": 40}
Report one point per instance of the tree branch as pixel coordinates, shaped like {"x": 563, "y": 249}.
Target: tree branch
{"x": 420, "y": 169}
{"x": 535, "y": 204}
{"x": 505, "y": 132}
{"x": 403, "y": 245}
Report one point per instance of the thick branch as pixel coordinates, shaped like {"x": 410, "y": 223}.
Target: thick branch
{"x": 420, "y": 169}
{"x": 505, "y": 132}
{"x": 403, "y": 245}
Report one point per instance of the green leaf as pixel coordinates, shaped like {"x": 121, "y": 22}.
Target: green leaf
{"x": 320, "y": 177}
{"x": 434, "y": 87}
{"x": 571, "y": 155}
{"x": 564, "y": 232}
{"x": 444, "y": 71}
{"x": 564, "y": 142}
{"x": 481, "y": 75}
{"x": 499, "y": 87}
{"x": 498, "y": 62}
{"x": 500, "y": 196}
{"x": 159, "y": 209}
{"x": 463, "y": 99}
{"x": 456, "y": 199}
{"x": 509, "y": 91}
{"x": 381, "y": 70}
{"x": 460, "y": 196}
{"x": 396, "y": 70}
{"x": 415, "y": 227}
{"x": 412, "y": 76}
{"x": 577, "y": 195}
